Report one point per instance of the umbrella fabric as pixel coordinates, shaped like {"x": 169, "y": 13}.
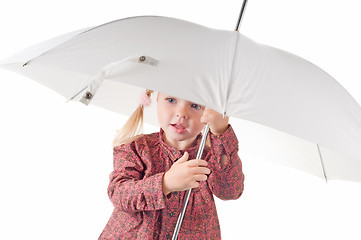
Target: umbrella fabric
{"x": 110, "y": 65}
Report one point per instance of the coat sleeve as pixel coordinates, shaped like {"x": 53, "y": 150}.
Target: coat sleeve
{"x": 128, "y": 189}
{"x": 226, "y": 179}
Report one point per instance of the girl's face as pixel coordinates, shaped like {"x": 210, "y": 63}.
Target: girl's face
{"x": 180, "y": 120}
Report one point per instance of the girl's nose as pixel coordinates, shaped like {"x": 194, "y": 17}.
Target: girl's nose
{"x": 181, "y": 116}
{"x": 182, "y": 113}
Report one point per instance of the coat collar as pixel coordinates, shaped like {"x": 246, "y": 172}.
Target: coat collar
{"x": 174, "y": 153}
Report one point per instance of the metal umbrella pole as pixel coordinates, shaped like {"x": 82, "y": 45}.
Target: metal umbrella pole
{"x": 188, "y": 193}
{"x": 200, "y": 151}
{"x": 244, "y": 5}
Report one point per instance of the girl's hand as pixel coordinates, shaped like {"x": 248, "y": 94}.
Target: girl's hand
{"x": 185, "y": 174}
{"x": 217, "y": 124}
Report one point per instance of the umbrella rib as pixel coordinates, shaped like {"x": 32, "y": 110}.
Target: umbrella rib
{"x": 323, "y": 166}
{"x": 77, "y": 94}
{"x": 231, "y": 76}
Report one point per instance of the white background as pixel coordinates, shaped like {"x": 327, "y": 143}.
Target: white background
{"x": 55, "y": 158}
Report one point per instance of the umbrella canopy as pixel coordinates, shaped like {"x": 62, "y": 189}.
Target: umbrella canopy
{"x": 109, "y": 64}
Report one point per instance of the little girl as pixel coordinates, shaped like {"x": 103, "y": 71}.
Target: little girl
{"x": 152, "y": 172}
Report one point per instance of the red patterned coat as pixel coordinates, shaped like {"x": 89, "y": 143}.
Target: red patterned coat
{"x": 142, "y": 211}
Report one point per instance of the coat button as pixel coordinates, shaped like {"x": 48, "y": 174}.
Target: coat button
{"x": 172, "y": 214}
{"x": 142, "y": 58}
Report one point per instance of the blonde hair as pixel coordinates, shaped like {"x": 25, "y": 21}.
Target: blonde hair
{"x": 133, "y": 127}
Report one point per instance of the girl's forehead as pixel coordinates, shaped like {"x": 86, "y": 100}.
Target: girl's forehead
{"x": 163, "y": 95}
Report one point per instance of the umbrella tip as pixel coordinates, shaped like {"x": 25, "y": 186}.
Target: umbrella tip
{"x": 325, "y": 178}
{"x": 27, "y": 63}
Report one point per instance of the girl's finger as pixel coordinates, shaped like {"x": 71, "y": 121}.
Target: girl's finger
{"x": 197, "y": 162}
{"x": 183, "y": 159}
{"x": 194, "y": 184}
{"x": 201, "y": 170}
{"x": 200, "y": 177}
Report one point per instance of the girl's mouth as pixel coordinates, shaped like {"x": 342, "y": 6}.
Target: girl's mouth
{"x": 178, "y": 128}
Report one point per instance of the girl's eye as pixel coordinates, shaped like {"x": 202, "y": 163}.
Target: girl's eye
{"x": 196, "y": 106}
{"x": 171, "y": 100}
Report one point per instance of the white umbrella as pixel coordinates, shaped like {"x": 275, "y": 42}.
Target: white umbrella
{"x": 106, "y": 65}
{"x": 305, "y": 44}
{"x": 223, "y": 70}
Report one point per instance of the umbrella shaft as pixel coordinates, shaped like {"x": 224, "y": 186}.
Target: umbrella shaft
{"x": 188, "y": 193}
{"x": 241, "y": 14}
